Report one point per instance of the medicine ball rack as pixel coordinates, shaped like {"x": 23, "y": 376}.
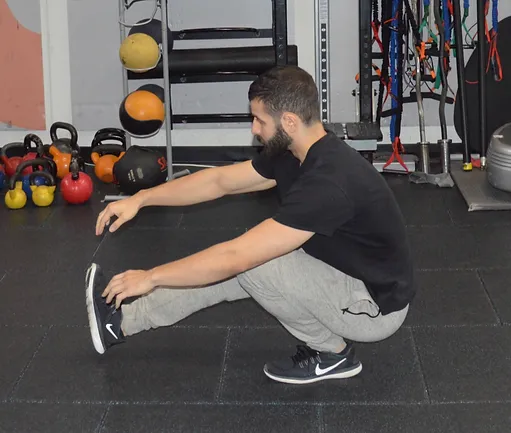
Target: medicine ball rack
{"x": 208, "y": 65}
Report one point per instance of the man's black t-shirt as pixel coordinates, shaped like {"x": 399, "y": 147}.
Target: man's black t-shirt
{"x": 359, "y": 229}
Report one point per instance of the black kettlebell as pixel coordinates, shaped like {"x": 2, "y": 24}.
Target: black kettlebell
{"x": 63, "y": 144}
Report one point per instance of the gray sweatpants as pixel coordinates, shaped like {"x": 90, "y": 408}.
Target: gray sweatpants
{"x": 306, "y": 295}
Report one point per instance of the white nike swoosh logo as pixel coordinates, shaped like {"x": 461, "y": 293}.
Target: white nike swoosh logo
{"x": 319, "y": 371}
{"x": 109, "y": 327}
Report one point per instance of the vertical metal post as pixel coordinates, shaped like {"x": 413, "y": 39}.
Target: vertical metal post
{"x": 424, "y": 145}
{"x": 125, "y": 83}
{"x": 166, "y": 85}
{"x": 460, "y": 64}
{"x": 322, "y": 16}
{"x": 481, "y": 35}
{"x": 280, "y": 31}
{"x": 365, "y": 61}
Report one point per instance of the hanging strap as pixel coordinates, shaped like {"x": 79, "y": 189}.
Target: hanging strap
{"x": 386, "y": 34}
{"x": 396, "y": 72}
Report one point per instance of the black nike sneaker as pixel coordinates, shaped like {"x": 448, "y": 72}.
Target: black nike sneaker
{"x": 104, "y": 319}
{"x": 309, "y": 366}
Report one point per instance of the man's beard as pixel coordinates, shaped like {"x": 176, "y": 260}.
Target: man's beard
{"x": 278, "y": 144}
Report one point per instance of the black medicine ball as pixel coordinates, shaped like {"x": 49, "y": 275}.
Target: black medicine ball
{"x": 140, "y": 168}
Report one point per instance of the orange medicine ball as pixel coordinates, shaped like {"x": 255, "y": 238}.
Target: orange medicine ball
{"x": 142, "y": 113}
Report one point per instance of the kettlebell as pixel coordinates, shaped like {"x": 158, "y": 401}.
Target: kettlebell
{"x": 15, "y": 198}
{"x": 62, "y": 148}
{"x": 42, "y": 195}
{"x": 11, "y": 163}
{"x": 76, "y": 187}
{"x": 30, "y": 152}
{"x": 2, "y": 177}
{"x": 105, "y": 155}
{"x": 63, "y": 144}
{"x": 35, "y": 164}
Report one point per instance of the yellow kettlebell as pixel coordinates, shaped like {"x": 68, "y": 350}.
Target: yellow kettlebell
{"x": 42, "y": 195}
{"x": 15, "y": 198}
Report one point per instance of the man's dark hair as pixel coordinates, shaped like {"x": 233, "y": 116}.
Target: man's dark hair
{"x": 287, "y": 88}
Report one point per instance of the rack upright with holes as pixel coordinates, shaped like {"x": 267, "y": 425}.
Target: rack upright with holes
{"x": 364, "y": 134}
{"x": 279, "y": 53}
{"x": 162, "y": 5}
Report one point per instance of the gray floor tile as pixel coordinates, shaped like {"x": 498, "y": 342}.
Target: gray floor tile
{"x": 211, "y": 419}
{"x": 497, "y": 285}
{"x": 161, "y": 365}
{"x": 158, "y": 217}
{"x": 446, "y": 247}
{"x": 145, "y": 249}
{"x": 49, "y": 418}
{"x": 390, "y": 371}
{"x": 466, "y": 364}
{"x": 18, "y": 346}
{"x": 70, "y": 217}
{"x": 455, "y": 418}
{"x": 450, "y": 298}
{"x": 43, "y": 298}
{"x": 420, "y": 204}
{"x": 30, "y": 216}
{"x": 241, "y": 211}
{"x": 43, "y": 250}
{"x": 458, "y": 209}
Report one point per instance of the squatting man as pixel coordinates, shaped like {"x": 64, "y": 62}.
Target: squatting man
{"x": 333, "y": 264}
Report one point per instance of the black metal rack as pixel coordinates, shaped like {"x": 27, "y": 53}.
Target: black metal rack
{"x": 209, "y": 65}
{"x": 364, "y": 134}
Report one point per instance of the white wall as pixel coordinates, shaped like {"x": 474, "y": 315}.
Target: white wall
{"x": 83, "y": 73}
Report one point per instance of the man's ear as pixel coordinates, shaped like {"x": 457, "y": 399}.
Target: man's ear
{"x": 290, "y": 122}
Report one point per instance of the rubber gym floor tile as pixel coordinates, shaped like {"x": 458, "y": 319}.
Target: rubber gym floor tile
{"x": 75, "y": 217}
{"x": 163, "y": 365}
{"x": 243, "y": 211}
{"x": 497, "y": 285}
{"x": 453, "y": 418}
{"x": 18, "y": 346}
{"x": 390, "y": 371}
{"x": 245, "y": 312}
{"x": 145, "y": 249}
{"x": 420, "y": 204}
{"x": 447, "y": 298}
{"x": 50, "y": 250}
{"x": 460, "y": 247}
{"x": 43, "y": 298}
{"x": 158, "y": 217}
{"x": 211, "y": 419}
{"x": 30, "y": 216}
{"x": 49, "y": 418}
{"x": 458, "y": 210}
{"x": 466, "y": 364}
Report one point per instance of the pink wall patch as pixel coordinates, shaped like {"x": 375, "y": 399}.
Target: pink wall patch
{"x": 22, "y": 82}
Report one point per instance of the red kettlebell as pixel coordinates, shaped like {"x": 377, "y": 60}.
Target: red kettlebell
{"x": 11, "y": 163}
{"x": 33, "y": 153}
{"x": 76, "y": 186}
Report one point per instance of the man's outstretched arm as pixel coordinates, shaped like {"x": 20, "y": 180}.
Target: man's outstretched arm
{"x": 259, "y": 245}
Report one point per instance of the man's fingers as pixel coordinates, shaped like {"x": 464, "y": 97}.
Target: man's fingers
{"x": 103, "y": 219}
{"x": 119, "y": 222}
{"x": 114, "y": 291}
{"x": 119, "y": 298}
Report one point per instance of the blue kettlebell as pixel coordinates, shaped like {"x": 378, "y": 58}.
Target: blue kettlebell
{"x": 36, "y": 163}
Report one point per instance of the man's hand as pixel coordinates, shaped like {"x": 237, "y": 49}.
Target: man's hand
{"x": 127, "y": 284}
{"x": 124, "y": 210}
